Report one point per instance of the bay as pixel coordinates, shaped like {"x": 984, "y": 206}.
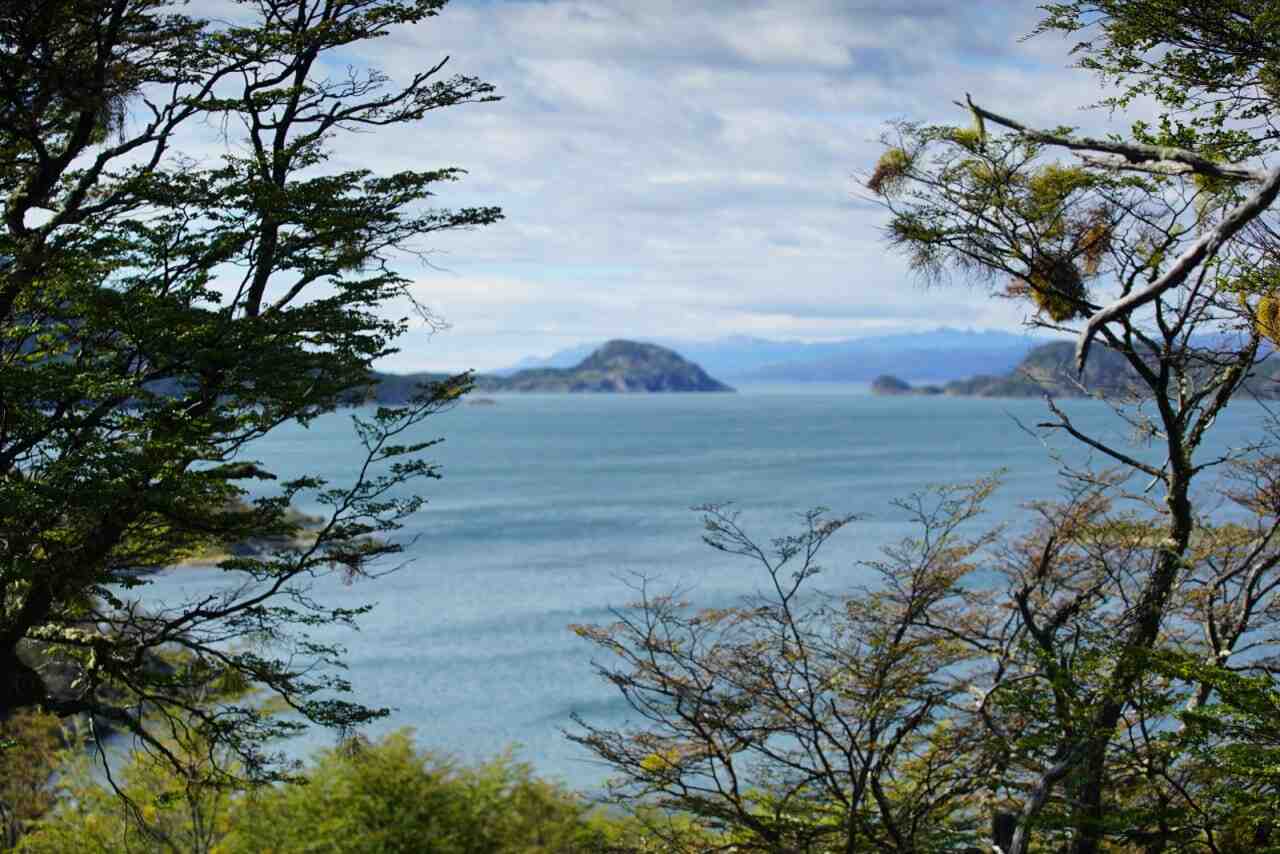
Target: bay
{"x": 553, "y": 506}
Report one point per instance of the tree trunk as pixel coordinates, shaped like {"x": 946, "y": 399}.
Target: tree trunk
{"x": 1003, "y": 826}
{"x": 20, "y": 685}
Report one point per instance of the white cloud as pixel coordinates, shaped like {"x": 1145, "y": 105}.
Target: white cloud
{"x": 688, "y": 167}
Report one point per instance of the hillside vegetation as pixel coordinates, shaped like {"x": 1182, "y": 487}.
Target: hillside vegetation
{"x": 1048, "y": 369}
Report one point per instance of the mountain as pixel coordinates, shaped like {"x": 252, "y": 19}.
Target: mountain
{"x": 567, "y": 358}
{"x": 723, "y": 357}
{"x": 616, "y": 366}
{"x": 1049, "y": 369}
{"x": 940, "y": 354}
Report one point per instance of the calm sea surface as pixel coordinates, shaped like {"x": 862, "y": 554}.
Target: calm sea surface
{"x": 551, "y": 504}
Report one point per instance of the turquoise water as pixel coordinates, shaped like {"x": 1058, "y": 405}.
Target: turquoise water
{"x": 552, "y": 504}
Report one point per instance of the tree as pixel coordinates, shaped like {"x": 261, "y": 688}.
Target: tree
{"x": 799, "y": 722}
{"x": 388, "y": 796}
{"x": 946, "y": 702}
{"x": 1162, "y": 248}
{"x": 361, "y": 796}
{"x": 30, "y": 753}
{"x": 159, "y": 312}
{"x": 1093, "y": 635}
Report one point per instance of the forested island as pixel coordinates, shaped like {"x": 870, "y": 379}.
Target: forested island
{"x": 616, "y": 366}
{"x": 1047, "y": 370}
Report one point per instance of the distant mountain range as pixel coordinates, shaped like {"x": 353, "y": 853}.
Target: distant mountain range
{"x": 615, "y": 366}
{"x": 1049, "y": 369}
{"x": 939, "y": 355}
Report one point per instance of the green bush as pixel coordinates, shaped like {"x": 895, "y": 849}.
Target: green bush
{"x": 389, "y": 797}
{"x": 30, "y": 752}
{"x": 372, "y": 798}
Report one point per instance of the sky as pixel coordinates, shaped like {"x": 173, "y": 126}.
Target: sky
{"x": 694, "y": 169}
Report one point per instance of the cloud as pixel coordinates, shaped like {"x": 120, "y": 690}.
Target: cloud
{"x": 691, "y": 168}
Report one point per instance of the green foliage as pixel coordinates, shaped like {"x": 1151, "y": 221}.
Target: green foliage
{"x": 159, "y": 312}
{"x": 972, "y": 668}
{"x": 385, "y": 796}
{"x": 390, "y": 797}
{"x": 1131, "y": 697}
{"x": 920, "y": 239}
{"x": 31, "y": 749}
{"x": 1211, "y": 66}
{"x": 1051, "y": 186}
{"x": 163, "y": 809}
{"x": 794, "y": 722}
{"x": 1231, "y": 740}
{"x": 969, "y": 138}
{"x": 1046, "y": 226}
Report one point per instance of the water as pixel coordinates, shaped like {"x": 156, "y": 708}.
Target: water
{"x": 552, "y": 504}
